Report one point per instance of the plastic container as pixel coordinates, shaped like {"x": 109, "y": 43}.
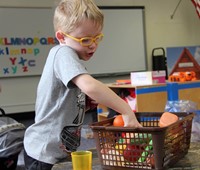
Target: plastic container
{"x": 149, "y": 147}
{"x": 86, "y": 132}
{"x": 196, "y": 127}
{"x": 82, "y": 160}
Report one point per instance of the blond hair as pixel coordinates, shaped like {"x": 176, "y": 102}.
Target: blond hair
{"x": 69, "y": 14}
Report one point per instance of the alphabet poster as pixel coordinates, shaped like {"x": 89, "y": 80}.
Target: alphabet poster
{"x": 26, "y": 36}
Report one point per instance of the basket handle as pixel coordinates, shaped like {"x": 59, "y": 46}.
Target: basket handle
{"x": 131, "y": 129}
{"x": 2, "y": 112}
{"x": 124, "y": 129}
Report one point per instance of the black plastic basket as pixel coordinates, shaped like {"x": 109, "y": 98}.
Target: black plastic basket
{"x": 149, "y": 147}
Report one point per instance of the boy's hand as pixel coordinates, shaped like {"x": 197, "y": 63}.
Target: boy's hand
{"x": 65, "y": 150}
{"x": 130, "y": 120}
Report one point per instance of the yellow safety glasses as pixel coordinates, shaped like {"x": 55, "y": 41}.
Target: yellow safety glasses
{"x": 86, "y": 41}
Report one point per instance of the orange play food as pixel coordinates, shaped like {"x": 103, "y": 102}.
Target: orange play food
{"x": 167, "y": 118}
{"x": 118, "y": 121}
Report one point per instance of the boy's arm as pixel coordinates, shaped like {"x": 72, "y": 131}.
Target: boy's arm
{"x": 104, "y": 95}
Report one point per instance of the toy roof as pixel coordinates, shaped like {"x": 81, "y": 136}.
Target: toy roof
{"x": 186, "y": 62}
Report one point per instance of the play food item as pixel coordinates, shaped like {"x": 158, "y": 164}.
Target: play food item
{"x": 118, "y": 121}
{"x": 167, "y": 118}
{"x": 146, "y": 151}
{"x": 82, "y": 160}
{"x": 150, "y": 160}
{"x": 132, "y": 152}
{"x": 120, "y": 147}
{"x": 113, "y": 157}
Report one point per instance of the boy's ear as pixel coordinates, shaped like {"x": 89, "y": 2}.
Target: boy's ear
{"x": 59, "y": 36}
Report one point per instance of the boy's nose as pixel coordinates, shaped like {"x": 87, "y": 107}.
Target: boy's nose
{"x": 93, "y": 45}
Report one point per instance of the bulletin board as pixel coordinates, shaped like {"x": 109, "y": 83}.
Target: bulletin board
{"x": 26, "y": 35}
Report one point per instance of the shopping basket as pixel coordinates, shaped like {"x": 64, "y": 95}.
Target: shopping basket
{"x": 149, "y": 147}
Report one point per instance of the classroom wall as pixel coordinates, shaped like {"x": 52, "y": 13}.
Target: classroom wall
{"x": 18, "y": 94}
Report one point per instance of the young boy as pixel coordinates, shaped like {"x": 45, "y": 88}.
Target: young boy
{"x": 60, "y": 103}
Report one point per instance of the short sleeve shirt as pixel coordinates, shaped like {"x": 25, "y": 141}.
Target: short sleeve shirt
{"x": 58, "y": 104}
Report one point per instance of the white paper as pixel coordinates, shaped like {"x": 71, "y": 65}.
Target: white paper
{"x": 141, "y": 78}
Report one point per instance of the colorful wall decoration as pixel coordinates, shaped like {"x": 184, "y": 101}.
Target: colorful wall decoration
{"x": 25, "y": 40}
{"x": 183, "y": 61}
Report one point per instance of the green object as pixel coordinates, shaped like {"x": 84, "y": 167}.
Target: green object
{"x": 145, "y": 153}
{"x": 121, "y": 140}
{"x": 142, "y": 138}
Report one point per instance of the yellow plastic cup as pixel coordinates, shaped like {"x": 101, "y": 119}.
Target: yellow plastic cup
{"x": 82, "y": 160}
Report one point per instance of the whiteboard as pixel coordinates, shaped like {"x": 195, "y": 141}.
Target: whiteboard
{"x": 26, "y": 35}
{"x": 123, "y": 48}
{"x": 121, "y": 51}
